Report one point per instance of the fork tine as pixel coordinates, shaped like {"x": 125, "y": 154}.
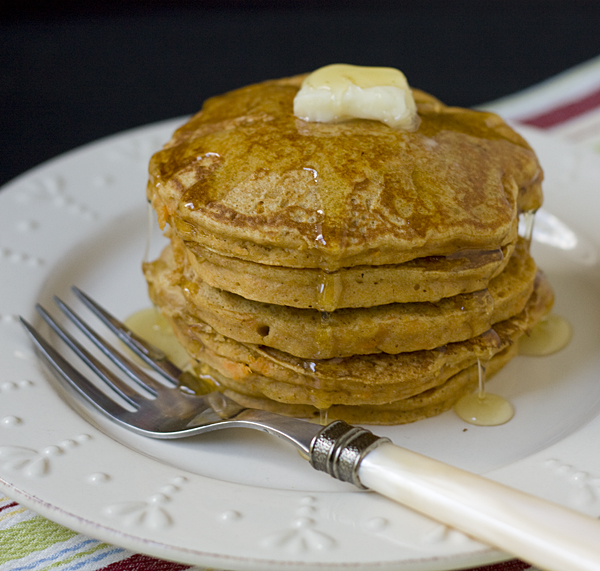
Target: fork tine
{"x": 126, "y": 365}
{"x": 116, "y": 384}
{"x": 69, "y": 377}
{"x": 150, "y": 354}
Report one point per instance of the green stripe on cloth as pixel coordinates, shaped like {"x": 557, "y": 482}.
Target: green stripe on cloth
{"x": 32, "y": 535}
{"x": 78, "y": 555}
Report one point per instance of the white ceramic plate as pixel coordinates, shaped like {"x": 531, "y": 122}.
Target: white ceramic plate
{"x": 244, "y": 500}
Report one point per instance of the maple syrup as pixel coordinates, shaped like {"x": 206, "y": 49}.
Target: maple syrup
{"x": 152, "y": 326}
{"x": 328, "y": 296}
{"x": 526, "y": 223}
{"x": 323, "y": 416}
{"x": 329, "y": 291}
{"x": 551, "y": 334}
{"x": 200, "y": 380}
{"x": 323, "y": 334}
{"x": 149, "y": 230}
{"x": 482, "y": 408}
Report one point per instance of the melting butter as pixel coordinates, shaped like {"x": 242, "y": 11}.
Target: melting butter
{"x": 340, "y": 92}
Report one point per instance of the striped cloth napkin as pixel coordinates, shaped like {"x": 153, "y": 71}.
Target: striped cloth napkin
{"x": 566, "y": 106}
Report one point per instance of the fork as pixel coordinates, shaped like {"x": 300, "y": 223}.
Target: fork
{"x": 543, "y": 533}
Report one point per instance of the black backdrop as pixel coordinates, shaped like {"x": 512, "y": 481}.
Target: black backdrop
{"x": 71, "y": 72}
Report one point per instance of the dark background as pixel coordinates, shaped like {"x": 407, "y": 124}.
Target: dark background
{"x": 71, "y": 72}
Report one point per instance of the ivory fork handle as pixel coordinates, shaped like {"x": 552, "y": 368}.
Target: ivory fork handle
{"x": 540, "y": 532}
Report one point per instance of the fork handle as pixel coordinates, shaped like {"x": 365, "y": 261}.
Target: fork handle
{"x": 545, "y": 534}
{"x": 542, "y": 533}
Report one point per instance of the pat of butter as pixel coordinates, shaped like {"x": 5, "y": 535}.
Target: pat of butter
{"x": 340, "y": 92}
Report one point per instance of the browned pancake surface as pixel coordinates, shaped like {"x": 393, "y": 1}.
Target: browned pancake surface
{"x": 246, "y": 178}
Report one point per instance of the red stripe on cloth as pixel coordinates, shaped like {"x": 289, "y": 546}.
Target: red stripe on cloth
{"x": 146, "y": 563}
{"x": 11, "y": 505}
{"x": 512, "y": 565}
{"x": 140, "y": 562}
{"x": 564, "y": 112}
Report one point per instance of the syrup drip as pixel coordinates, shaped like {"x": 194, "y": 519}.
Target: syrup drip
{"x": 200, "y": 382}
{"x": 547, "y": 337}
{"x": 323, "y": 335}
{"x": 329, "y": 291}
{"x": 323, "y": 416}
{"x": 153, "y": 327}
{"x": 149, "y": 230}
{"x": 482, "y": 408}
{"x": 328, "y": 296}
{"x": 526, "y": 223}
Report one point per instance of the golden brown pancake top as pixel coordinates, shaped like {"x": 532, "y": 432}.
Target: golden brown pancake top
{"x": 247, "y": 178}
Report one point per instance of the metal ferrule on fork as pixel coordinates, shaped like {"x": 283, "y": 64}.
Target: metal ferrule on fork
{"x": 339, "y": 449}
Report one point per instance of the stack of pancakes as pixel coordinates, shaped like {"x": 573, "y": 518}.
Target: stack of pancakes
{"x": 349, "y": 267}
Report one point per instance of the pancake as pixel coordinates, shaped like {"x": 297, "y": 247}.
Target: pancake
{"x": 422, "y": 279}
{"x": 246, "y": 179}
{"x": 349, "y": 267}
{"x": 367, "y": 384}
{"x": 392, "y": 328}
{"x": 424, "y": 405}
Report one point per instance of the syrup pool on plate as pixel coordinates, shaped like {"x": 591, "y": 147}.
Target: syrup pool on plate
{"x": 547, "y": 337}
{"x": 152, "y": 326}
{"x": 482, "y": 408}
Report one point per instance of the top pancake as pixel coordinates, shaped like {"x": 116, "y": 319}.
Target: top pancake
{"x": 247, "y": 179}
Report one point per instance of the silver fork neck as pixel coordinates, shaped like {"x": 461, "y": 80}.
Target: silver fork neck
{"x": 298, "y": 432}
{"x": 337, "y": 449}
